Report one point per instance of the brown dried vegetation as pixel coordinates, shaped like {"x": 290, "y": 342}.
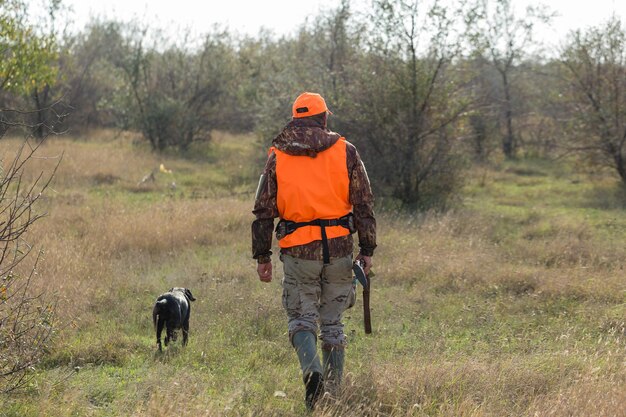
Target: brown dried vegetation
{"x": 488, "y": 310}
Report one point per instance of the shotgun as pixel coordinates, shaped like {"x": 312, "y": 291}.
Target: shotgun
{"x": 357, "y": 268}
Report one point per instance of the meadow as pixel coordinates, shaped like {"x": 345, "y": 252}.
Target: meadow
{"x": 512, "y": 303}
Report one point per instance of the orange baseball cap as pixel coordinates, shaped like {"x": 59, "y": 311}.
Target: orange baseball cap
{"x": 309, "y": 104}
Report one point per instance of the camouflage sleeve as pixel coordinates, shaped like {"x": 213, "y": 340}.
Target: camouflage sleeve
{"x": 265, "y": 210}
{"x": 362, "y": 201}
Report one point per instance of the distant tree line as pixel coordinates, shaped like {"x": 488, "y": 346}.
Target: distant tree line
{"x": 423, "y": 89}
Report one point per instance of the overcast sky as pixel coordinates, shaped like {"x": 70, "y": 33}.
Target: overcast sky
{"x": 284, "y": 16}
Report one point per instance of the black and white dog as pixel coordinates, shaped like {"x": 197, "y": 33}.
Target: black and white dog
{"x": 172, "y": 310}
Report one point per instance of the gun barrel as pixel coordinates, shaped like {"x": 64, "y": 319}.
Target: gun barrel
{"x": 367, "y": 319}
{"x": 365, "y": 282}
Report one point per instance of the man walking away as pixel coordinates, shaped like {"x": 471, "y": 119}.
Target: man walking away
{"x": 315, "y": 182}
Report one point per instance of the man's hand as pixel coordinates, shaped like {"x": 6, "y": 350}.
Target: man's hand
{"x": 367, "y": 260}
{"x": 265, "y": 271}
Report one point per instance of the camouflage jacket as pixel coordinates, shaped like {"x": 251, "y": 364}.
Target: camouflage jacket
{"x": 307, "y": 137}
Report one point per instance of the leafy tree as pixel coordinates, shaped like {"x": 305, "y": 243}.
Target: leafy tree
{"x": 48, "y": 109}
{"x": 177, "y": 96}
{"x": 26, "y": 55}
{"x": 334, "y": 41}
{"x": 504, "y": 37}
{"x": 91, "y": 79}
{"x": 541, "y": 117}
{"x": 482, "y": 123}
{"x": 321, "y": 58}
{"x": 26, "y": 65}
{"x": 595, "y": 61}
{"x": 407, "y": 100}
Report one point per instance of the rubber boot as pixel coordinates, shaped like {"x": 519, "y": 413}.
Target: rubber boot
{"x": 333, "y": 358}
{"x": 306, "y": 348}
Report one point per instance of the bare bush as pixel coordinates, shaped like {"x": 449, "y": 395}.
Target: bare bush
{"x": 26, "y": 318}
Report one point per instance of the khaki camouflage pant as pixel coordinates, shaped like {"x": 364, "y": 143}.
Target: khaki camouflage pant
{"x": 316, "y": 293}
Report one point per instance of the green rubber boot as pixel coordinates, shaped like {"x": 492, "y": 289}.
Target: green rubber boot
{"x": 305, "y": 344}
{"x": 333, "y": 359}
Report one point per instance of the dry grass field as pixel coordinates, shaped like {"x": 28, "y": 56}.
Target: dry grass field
{"x": 511, "y": 304}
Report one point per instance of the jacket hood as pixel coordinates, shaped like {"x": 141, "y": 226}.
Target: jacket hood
{"x": 305, "y": 137}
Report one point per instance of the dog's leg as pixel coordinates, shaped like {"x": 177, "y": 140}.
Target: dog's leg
{"x": 158, "y": 334}
{"x": 169, "y": 334}
{"x": 185, "y": 332}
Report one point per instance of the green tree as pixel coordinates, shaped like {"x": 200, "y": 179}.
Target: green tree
{"x": 595, "y": 61}
{"x": 176, "y": 95}
{"x": 48, "y": 109}
{"x": 406, "y": 101}
{"x": 504, "y": 38}
{"x": 320, "y": 58}
{"x": 27, "y": 68}
{"x": 90, "y": 77}
{"x": 25, "y": 54}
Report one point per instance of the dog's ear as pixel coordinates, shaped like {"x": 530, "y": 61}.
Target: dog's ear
{"x": 171, "y": 289}
{"x": 189, "y": 295}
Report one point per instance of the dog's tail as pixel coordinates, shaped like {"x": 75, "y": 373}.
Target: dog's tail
{"x": 157, "y": 310}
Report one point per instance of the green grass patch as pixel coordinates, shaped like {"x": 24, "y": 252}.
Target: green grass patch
{"x": 498, "y": 307}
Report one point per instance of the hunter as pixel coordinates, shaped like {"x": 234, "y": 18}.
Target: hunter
{"x": 315, "y": 182}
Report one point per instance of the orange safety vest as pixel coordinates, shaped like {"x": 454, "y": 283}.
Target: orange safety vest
{"x": 313, "y": 188}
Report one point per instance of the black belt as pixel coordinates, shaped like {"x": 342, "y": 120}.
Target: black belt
{"x": 286, "y": 227}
